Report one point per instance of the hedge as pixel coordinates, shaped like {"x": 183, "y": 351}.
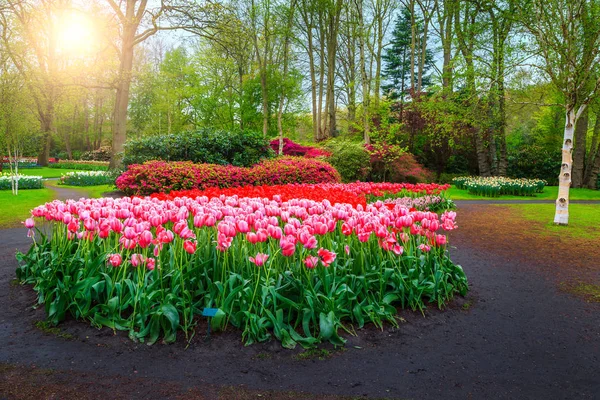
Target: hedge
{"x": 207, "y": 145}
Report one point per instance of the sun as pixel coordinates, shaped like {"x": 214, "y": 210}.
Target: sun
{"x": 75, "y": 34}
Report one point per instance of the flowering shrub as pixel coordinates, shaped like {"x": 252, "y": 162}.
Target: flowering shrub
{"x": 101, "y": 154}
{"x": 496, "y": 186}
{"x": 291, "y": 148}
{"x": 85, "y": 178}
{"x": 292, "y": 269}
{"x": 82, "y": 165}
{"x": 392, "y": 163}
{"x": 25, "y": 181}
{"x": 161, "y": 176}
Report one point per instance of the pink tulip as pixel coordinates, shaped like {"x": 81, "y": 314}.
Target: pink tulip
{"x": 260, "y": 259}
{"x": 242, "y": 226}
{"x": 129, "y": 233}
{"x": 252, "y": 237}
{"x": 440, "y": 240}
{"x": 137, "y": 259}
{"x": 150, "y": 263}
{"x": 145, "y": 239}
{"x": 288, "y": 248}
{"x": 115, "y": 259}
{"x": 424, "y": 248}
{"x": 311, "y": 262}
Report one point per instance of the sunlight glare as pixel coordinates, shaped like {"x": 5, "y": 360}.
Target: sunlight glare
{"x": 75, "y": 34}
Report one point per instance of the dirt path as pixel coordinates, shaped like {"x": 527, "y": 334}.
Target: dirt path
{"x": 62, "y": 193}
{"x": 517, "y": 335}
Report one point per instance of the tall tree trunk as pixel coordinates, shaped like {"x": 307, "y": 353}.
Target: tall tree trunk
{"x": 286, "y": 46}
{"x": 122, "y": 100}
{"x": 322, "y": 34}
{"x": 334, "y": 15}
{"x": 580, "y": 149}
{"x": 561, "y": 217}
{"x": 265, "y": 100}
{"x": 413, "y": 44}
{"x": 503, "y": 159}
{"x": 313, "y": 80}
{"x": 445, "y": 17}
{"x": 363, "y": 73}
{"x": 592, "y": 167}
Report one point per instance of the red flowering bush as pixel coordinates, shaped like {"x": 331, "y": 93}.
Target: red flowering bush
{"x": 162, "y": 176}
{"x": 394, "y": 164}
{"x": 291, "y": 148}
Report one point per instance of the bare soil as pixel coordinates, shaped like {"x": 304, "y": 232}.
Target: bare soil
{"x": 517, "y": 335}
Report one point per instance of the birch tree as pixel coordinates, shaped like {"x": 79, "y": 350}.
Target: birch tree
{"x": 567, "y": 35}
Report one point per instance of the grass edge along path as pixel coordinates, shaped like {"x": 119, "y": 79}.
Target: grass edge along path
{"x": 584, "y": 219}
{"x": 550, "y": 193}
{"x": 15, "y": 209}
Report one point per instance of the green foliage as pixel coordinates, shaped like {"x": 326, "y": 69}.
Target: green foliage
{"x": 397, "y": 57}
{"x": 350, "y": 159}
{"x": 211, "y": 146}
{"x": 534, "y": 161}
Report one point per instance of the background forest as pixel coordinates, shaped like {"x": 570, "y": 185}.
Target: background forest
{"x": 467, "y": 86}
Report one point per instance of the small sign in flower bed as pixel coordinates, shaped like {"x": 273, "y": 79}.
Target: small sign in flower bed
{"x": 496, "y": 186}
{"x": 25, "y": 181}
{"x": 85, "y": 178}
{"x": 301, "y": 270}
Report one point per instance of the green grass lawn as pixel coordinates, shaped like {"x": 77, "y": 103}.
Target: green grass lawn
{"x": 45, "y": 172}
{"x": 16, "y": 208}
{"x": 584, "y": 219}
{"x": 550, "y": 193}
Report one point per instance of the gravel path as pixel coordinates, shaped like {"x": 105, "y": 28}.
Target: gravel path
{"x": 515, "y": 336}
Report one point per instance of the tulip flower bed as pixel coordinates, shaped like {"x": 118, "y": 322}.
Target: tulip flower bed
{"x": 25, "y": 181}
{"x": 350, "y": 193}
{"x": 85, "y": 178}
{"x": 497, "y": 186}
{"x": 423, "y": 203}
{"x": 298, "y": 270}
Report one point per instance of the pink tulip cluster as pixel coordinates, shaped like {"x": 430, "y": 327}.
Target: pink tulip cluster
{"x": 137, "y": 228}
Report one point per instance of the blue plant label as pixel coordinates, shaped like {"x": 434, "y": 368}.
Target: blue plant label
{"x": 209, "y": 312}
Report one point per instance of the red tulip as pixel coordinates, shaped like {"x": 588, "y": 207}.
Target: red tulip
{"x": 189, "y": 246}
{"x": 327, "y": 257}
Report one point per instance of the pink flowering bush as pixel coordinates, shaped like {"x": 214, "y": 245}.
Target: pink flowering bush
{"x": 297, "y": 270}
{"x": 291, "y": 148}
{"x": 163, "y": 176}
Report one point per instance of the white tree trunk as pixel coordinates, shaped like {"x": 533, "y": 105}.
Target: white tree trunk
{"x": 561, "y": 217}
